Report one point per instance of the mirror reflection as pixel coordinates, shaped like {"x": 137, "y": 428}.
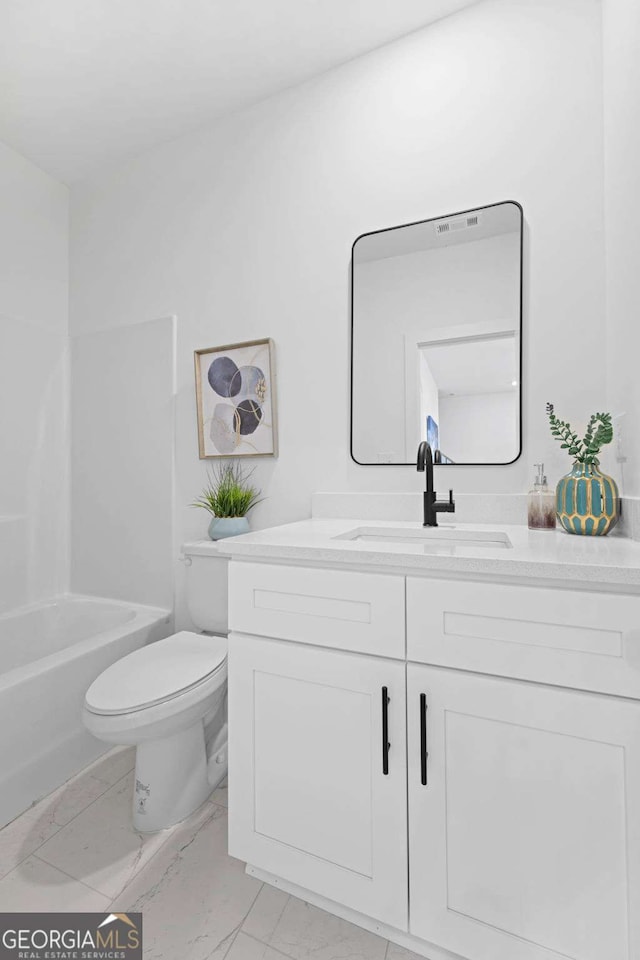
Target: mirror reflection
{"x": 436, "y": 313}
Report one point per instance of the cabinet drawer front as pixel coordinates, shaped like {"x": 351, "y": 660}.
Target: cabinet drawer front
{"x": 566, "y": 637}
{"x": 331, "y": 608}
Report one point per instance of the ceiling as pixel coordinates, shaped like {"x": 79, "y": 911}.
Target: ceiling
{"x": 86, "y": 83}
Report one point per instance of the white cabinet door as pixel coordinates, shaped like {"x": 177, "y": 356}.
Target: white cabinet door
{"x": 310, "y": 799}
{"x": 525, "y": 840}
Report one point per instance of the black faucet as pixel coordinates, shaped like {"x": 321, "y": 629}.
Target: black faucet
{"x": 432, "y": 506}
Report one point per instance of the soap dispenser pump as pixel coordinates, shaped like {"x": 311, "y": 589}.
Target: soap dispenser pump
{"x": 541, "y": 503}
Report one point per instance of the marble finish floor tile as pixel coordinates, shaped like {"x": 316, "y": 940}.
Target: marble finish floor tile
{"x": 221, "y": 794}
{"x": 24, "y": 835}
{"x": 394, "y": 952}
{"x": 304, "y": 932}
{"x": 301, "y": 931}
{"x": 35, "y": 886}
{"x": 198, "y": 903}
{"x": 100, "y": 846}
{"x": 194, "y": 897}
{"x": 245, "y": 947}
{"x": 264, "y": 916}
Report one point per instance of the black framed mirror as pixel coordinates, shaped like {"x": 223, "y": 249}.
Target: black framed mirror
{"x": 436, "y": 339}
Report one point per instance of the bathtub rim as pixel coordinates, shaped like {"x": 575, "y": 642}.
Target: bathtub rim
{"x": 144, "y": 616}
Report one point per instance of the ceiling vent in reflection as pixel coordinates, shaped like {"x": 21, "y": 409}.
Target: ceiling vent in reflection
{"x": 461, "y": 223}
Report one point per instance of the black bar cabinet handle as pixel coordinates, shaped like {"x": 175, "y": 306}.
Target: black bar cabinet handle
{"x": 423, "y": 739}
{"x": 385, "y": 731}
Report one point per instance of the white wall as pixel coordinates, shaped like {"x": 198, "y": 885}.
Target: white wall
{"x": 33, "y": 370}
{"x": 122, "y": 463}
{"x": 621, "y": 23}
{"x": 244, "y": 230}
{"x": 469, "y": 425}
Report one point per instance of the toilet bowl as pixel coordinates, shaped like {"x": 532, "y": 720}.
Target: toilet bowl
{"x": 160, "y": 699}
{"x": 169, "y": 699}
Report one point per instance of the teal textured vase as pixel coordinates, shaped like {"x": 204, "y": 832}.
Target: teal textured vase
{"x": 587, "y": 501}
{"x": 222, "y": 527}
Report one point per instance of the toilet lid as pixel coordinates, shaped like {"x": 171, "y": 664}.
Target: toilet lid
{"x": 157, "y": 672}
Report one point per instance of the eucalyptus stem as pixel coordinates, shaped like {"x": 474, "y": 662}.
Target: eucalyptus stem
{"x": 598, "y": 434}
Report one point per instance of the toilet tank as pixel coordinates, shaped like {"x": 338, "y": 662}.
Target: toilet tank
{"x": 207, "y": 577}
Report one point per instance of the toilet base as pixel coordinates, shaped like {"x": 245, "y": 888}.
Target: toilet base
{"x": 171, "y": 779}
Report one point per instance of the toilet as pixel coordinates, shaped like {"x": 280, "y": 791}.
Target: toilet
{"x": 169, "y": 699}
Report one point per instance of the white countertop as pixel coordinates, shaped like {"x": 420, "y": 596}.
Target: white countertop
{"x": 534, "y": 554}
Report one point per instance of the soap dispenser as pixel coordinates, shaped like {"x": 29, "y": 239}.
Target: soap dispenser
{"x": 541, "y": 503}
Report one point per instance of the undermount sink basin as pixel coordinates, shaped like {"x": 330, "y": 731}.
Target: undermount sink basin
{"x": 429, "y": 538}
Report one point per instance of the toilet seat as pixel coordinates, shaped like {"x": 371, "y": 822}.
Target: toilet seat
{"x": 157, "y": 673}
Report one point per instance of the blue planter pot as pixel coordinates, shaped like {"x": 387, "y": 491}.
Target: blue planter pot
{"x": 587, "y": 501}
{"x": 222, "y": 527}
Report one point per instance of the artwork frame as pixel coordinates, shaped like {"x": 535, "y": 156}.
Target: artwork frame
{"x": 236, "y": 400}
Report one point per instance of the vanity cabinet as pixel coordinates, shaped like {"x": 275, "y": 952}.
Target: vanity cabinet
{"x": 525, "y": 840}
{"x": 315, "y": 795}
{"x": 502, "y": 821}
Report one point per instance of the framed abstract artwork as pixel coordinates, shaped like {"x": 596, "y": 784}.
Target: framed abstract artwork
{"x": 235, "y": 399}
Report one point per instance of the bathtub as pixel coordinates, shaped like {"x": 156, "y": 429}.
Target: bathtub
{"x": 49, "y": 654}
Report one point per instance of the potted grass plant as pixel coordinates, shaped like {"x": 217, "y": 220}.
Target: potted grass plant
{"x": 228, "y": 497}
{"x": 587, "y": 500}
